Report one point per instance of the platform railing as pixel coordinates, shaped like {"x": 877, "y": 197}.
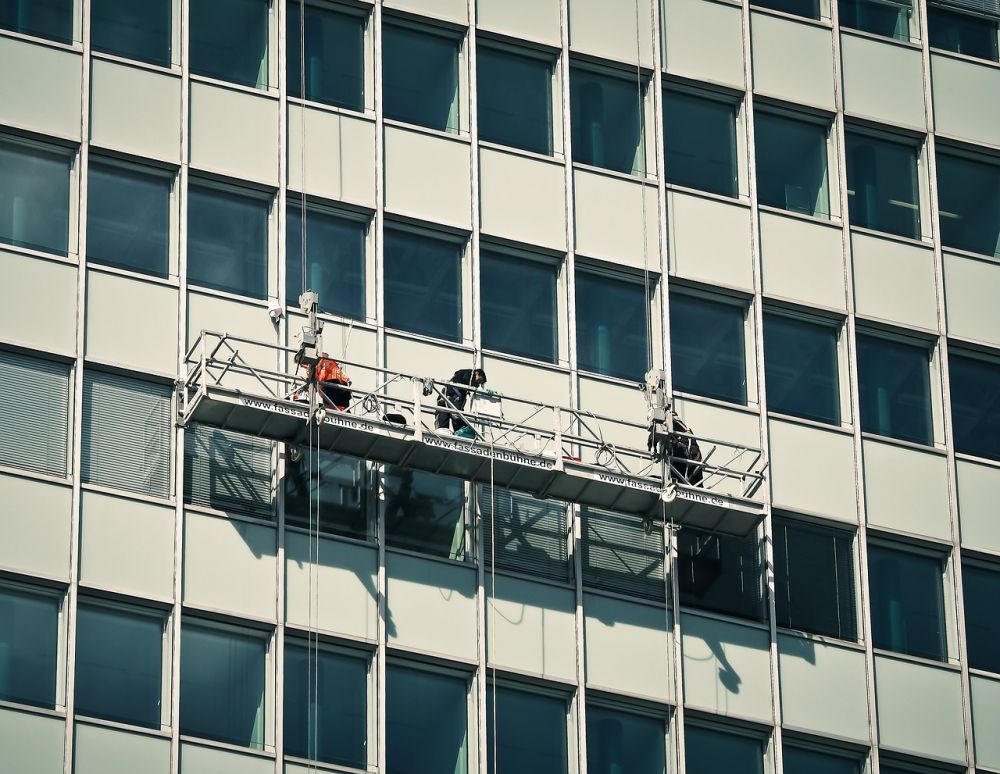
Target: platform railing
{"x": 562, "y": 435}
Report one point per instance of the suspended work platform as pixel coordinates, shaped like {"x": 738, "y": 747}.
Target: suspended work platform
{"x": 543, "y": 450}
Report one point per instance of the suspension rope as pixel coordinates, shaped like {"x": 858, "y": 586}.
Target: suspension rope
{"x": 302, "y": 141}
{"x": 493, "y": 608}
{"x": 642, "y": 190}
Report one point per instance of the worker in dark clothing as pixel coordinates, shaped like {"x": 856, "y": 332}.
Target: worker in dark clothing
{"x": 454, "y": 397}
{"x": 678, "y": 448}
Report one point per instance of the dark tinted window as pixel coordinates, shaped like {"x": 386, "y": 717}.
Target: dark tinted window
{"x": 981, "y": 588}
{"x": 611, "y": 332}
{"x": 720, "y": 573}
{"x": 335, "y": 484}
{"x": 335, "y": 56}
{"x": 791, "y": 164}
{"x": 800, "y": 366}
{"x": 514, "y": 99}
{"x": 34, "y": 197}
{"x": 530, "y": 733}
{"x": 882, "y": 189}
{"x": 425, "y": 512}
{"x": 800, "y": 761}
{"x": 700, "y": 142}
{"x": 229, "y": 40}
{"x": 335, "y": 266}
{"x": 707, "y": 347}
{"x": 519, "y": 306}
{"x": 423, "y": 285}
{"x": 426, "y": 722}
{"x": 962, "y": 33}
{"x": 137, "y": 30}
{"x": 894, "y": 389}
{"x": 420, "y": 78}
{"x": 806, "y": 8}
{"x": 29, "y": 642}
{"x": 707, "y": 751}
{"x": 52, "y": 19}
{"x": 606, "y": 121}
{"x": 619, "y": 742}
{"x": 969, "y": 203}
{"x": 975, "y": 405}
{"x": 879, "y": 18}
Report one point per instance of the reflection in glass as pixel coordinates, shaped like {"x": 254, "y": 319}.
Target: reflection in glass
{"x": 327, "y": 719}
{"x": 700, "y": 142}
{"x": 423, "y": 285}
{"x": 981, "y": 590}
{"x": 222, "y": 684}
{"x": 607, "y": 122}
{"x": 611, "y": 332}
{"x": 882, "y": 188}
{"x": 969, "y": 204}
{"x": 135, "y": 30}
{"x": 720, "y": 572}
{"x": 800, "y": 366}
{"x": 342, "y": 498}
{"x": 29, "y": 640}
{"x": 620, "y": 742}
{"x": 975, "y": 405}
{"x": 128, "y": 219}
{"x": 894, "y": 389}
{"x": 618, "y": 554}
{"x": 420, "y": 78}
{"x": 531, "y": 729}
{"x": 229, "y": 40}
{"x": 791, "y": 164}
{"x": 34, "y": 197}
{"x": 227, "y": 241}
{"x": 119, "y": 664}
{"x": 335, "y": 56}
{"x": 907, "y": 602}
{"x": 336, "y": 261}
{"x": 426, "y": 722}
{"x": 519, "y": 306}
{"x": 707, "y": 347}
{"x": 425, "y": 512}
{"x": 515, "y": 99}
{"x": 963, "y": 33}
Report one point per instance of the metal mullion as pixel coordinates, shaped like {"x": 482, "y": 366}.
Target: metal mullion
{"x": 861, "y": 553}
{"x": 930, "y": 167}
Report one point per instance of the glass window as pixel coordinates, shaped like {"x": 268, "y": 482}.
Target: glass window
{"x": 798, "y": 760}
{"x": 894, "y": 389}
{"x": 707, "y": 347}
{"x": 222, "y": 684}
{"x": 29, "y": 642}
{"x": 531, "y": 729}
{"x": 907, "y": 601}
{"x": 800, "y": 366}
{"x": 336, "y": 702}
{"x": 720, "y": 573}
{"x": 336, "y": 261}
{"x": 975, "y": 405}
{"x": 425, "y": 512}
{"x": 619, "y": 556}
{"x": 128, "y": 218}
{"x": 136, "y": 30}
{"x": 814, "y": 579}
{"x": 981, "y": 590}
{"x": 423, "y": 285}
{"x": 34, "y": 197}
{"x": 342, "y": 496}
{"x": 34, "y": 413}
{"x": 619, "y": 742}
{"x": 806, "y": 8}
{"x": 228, "y": 471}
{"x": 969, "y": 203}
{"x": 119, "y": 665}
{"x": 427, "y": 716}
{"x": 607, "y": 121}
{"x": 519, "y": 306}
{"x": 515, "y": 99}
{"x": 126, "y": 433}
{"x": 229, "y": 40}
{"x": 52, "y": 19}
{"x": 707, "y": 751}
{"x": 882, "y": 189}
{"x": 962, "y": 33}
{"x": 791, "y": 164}
{"x": 227, "y": 241}
{"x": 420, "y": 78}
{"x": 335, "y": 56}
{"x": 890, "y": 18}
{"x": 612, "y": 326}
{"x": 700, "y": 142}
{"x": 531, "y": 534}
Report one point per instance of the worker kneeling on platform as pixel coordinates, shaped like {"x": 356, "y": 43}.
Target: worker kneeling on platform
{"x": 454, "y": 398}
{"x": 331, "y": 381}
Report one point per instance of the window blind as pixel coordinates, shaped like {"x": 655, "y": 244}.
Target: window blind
{"x": 34, "y": 413}
{"x": 228, "y": 471}
{"x": 530, "y": 534}
{"x": 619, "y": 556}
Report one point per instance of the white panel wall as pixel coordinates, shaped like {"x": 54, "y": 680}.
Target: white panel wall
{"x": 40, "y": 88}
{"x": 978, "y": 495}
{"x": 454, "y": 10}
{"x": 100, "y": 750}
{"x": 966, "y": 99}
{"x": 802, "y": 260}
{"x": 234, "y": 133}
{"x": 209, "y": 760}
{"x": 428, "y": 176}
{"x": 883, "y": 81}
{"x": 35, "y": 528}
{"x": 609, "y": 219}
{"x": 792, "y": 60}
{"x": 523, "y": 198}
{"x": 709, "y": 240}
{"x": 971, "y": 289}
{"x": 894, "y": 281}
{"x": 985, "y": 711}
{"x": 528, "y": 19}
{"x": 49, "y": 326}
{"x": 340, "y": 155}
{"x": 906, "y": 489}
{"x": 31, "y": 744}
{"x": 704, "y": 39}
{"x": 611, "y": 30}
{"x": 812, "y": 470}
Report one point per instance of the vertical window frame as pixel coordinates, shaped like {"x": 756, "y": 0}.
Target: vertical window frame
{"x": 57, "y": 593}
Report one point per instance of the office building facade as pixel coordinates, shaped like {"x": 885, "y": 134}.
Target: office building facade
{"x": 792, "y": 207}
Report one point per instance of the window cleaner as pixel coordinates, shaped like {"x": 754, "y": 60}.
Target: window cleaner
{"x": 670, "y": 440}
{"x": 452, "y": 401}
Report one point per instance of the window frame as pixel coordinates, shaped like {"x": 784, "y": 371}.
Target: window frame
{"x": 955, "y": 9}
{"x": 249, "y": 628}
{"x": 513, "y": 683}
{"x": 459, "y": 239}
{"x": 246, "y": 190}
{"x": 372, "y": 481}
{"x": 76, "y": 34}
{"x": 165, "y": 617}
{"x": 529, "y": 50}
{"x": 913, "y": 23}
{"x": 839, "y": 325}
{"x": 621, "y": 705}
{"x": 458, "y": 36}
{"x": 59, "y": 593}
{"x": 654, "y": 305}
{"x": 562, "y": 300}
{"x": 967, "y": 351}
{"x": 918, "y": 144}
{"x": 299, "y": 638}
{"x": 966, "y": 154}
{"x": 174, "y": 66}
{"x": 470, "y": 527}
{"x": 934, "y": 354}
{"x": 272, "y": 87}
{"x": 722, "y": 296}
{"x": 946, "y": 559}
{"x": 734, "y": 727}
{"x": 150, "y": 168}
{"x": 832, "y": 160}
{"x": 707, "y": 91}
{"x": 830, "y": 746}
{"x": 647, "y": 171}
